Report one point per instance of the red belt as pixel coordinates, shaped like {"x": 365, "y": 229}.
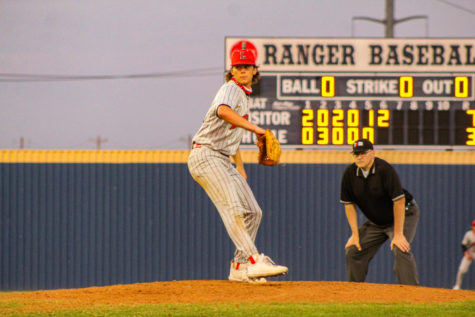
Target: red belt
{"x": 197, "y": 146}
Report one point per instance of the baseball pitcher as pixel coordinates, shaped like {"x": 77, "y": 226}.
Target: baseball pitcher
{"x": 209, "y": 163}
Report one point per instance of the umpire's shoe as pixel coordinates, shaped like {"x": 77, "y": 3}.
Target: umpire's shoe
{"x": 261, "y": 265}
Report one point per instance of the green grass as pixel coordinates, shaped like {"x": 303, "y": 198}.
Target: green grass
{"x": 459, "y": 309}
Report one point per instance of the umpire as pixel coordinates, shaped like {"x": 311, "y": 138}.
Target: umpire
{"x": 373, "y": 185}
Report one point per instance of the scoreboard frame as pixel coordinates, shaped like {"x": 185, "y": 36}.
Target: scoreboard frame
{"x": 400, "y": 93}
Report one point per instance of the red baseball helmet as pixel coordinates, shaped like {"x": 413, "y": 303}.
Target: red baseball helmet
{"x": 243, "y": 57}
{"x": 243, "y": 53}
{"x": 473, "y": 223}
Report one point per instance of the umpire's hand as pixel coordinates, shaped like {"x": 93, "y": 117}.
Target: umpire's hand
{"x": 400, "y": 241}
{"x": 353, "y": 241}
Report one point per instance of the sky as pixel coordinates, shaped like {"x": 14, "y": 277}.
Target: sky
{"x": 109, "y": 47}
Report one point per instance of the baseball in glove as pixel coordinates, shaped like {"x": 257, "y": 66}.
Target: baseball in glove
{"x": 269, "y": 149}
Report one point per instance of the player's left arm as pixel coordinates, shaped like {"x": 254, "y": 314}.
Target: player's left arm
{"x": 239, "y": 163}
{"x": 399, "y": 239}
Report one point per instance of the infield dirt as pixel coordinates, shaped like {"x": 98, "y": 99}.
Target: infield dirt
{"x": 209, "y": 291}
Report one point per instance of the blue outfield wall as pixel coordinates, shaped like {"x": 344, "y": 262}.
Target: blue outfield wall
{"x": 70, "y": 225}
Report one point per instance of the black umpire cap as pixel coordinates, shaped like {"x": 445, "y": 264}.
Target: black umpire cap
{"x": 361, "y": 146}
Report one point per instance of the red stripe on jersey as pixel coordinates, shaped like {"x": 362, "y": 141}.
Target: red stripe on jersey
{"x": 246, "y": 116}
{"x": 245, "y": 89}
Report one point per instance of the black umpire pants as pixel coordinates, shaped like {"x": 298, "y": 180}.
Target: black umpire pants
{"x": 372, "y": 236}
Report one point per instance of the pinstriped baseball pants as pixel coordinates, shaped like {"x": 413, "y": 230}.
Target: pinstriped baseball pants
{"x": 463, "y": 268}
{"x": 232, "y": 197}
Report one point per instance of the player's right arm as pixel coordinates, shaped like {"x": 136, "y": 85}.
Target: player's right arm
{"x": 230, "y": 116}
{"x": 351, "y": 216}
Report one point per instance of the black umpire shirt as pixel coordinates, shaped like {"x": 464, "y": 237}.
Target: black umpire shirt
{"x": 374, "y": 194}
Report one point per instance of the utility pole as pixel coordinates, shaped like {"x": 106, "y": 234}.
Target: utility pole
{"x": 188, "y": 141}
{"x": 99, "y": 141}
{"x": 389, "y": 32}
{"x": 389, "y": 22}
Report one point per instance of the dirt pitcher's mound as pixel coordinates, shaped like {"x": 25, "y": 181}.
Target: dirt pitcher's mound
{"x": 223, "y": 291}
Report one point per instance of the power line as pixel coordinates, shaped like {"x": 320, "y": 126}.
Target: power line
{"x": 17, "y": 77}
{"x": 457, "y": 6}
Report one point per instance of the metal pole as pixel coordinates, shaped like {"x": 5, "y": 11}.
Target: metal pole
{"x": 389, "y": 22}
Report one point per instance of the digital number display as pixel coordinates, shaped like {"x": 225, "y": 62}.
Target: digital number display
{"x": 383, "y": 87}
{"x": 340, "y": 126}
{"x": 312, "y": 110}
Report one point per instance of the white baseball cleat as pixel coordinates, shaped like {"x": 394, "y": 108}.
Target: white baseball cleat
{"x": 456, "y": 287}
{"x": 238, "y": 273}
{"x": 257, "y": 280}
{"x": 262, "y": 266}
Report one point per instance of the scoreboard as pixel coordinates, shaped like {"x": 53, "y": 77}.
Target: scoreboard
{"x": 388, "y": 109}
{"x": 395, "y": 92}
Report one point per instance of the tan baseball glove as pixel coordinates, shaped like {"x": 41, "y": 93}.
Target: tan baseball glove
{"x": 269, "y": 149}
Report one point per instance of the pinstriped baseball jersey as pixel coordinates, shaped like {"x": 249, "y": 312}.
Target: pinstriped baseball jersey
{"x": 216, "y": 133}
{"x": 469, "y": 242}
